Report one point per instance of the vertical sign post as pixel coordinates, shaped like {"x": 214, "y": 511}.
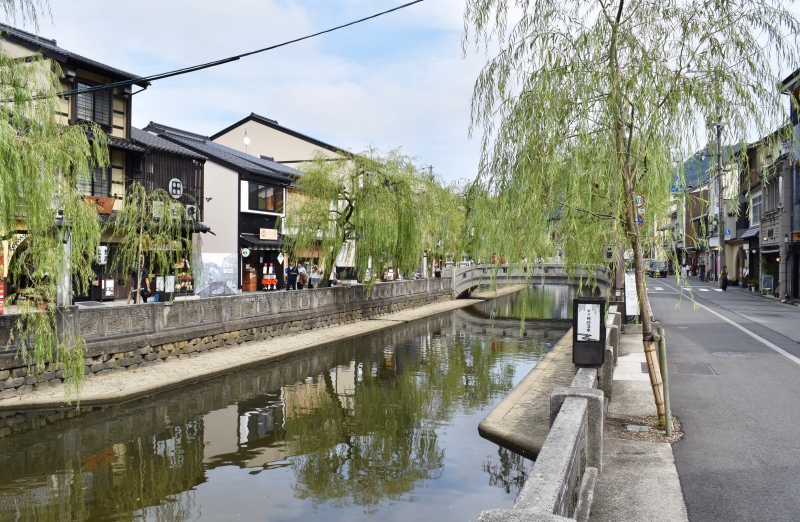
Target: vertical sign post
{"x": 2, "y": 284}
{"x": 631, "y": 296}
{"x": 588, "y": 331}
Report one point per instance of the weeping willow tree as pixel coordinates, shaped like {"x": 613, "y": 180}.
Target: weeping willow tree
{"x": 586, "y": 101}
{"x": 154, "y": 234}
{"x": 378, "y": 205}
{"x": 41, "y": 160}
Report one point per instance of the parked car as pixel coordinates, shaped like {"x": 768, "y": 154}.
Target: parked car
{"x": 658, "y": 269}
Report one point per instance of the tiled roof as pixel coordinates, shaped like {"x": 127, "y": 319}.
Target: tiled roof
{"x": 47, "y": 46}
{"x": 223, "y": 154}
{"x": 122, "y": 143}
{"x": 255, "y": 241}
{"x": 153, "y": 142}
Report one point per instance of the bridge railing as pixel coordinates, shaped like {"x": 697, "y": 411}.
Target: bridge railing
{"x": 466, "y": 278}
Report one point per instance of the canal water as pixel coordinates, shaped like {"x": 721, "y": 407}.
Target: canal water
{"x": 381, "y": 427}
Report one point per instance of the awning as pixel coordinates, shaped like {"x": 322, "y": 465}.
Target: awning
{"x": 750, "y": 232}
{"x": 771, "y": 250}
{"x": 256, "y": 243}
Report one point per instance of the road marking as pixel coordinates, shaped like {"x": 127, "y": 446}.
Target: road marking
{"x": 751, "y": 334}
{"x": 702, "y": 289}
{"x": 718, "y": 289}
{"x": 659, "y": 288}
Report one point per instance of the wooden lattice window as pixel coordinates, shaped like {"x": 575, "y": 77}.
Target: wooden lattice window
{"x": 94, "y": 106}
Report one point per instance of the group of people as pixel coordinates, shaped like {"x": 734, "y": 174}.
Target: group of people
{"x": 298, "y": 277}
{"x": 701, "y": 274}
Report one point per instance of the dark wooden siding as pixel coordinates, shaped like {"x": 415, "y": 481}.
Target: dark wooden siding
{"x": 154, "y": 170}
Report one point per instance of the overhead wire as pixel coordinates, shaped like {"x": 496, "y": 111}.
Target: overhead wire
{"x": 199, "y": 67}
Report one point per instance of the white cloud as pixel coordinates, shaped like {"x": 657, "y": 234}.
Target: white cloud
{"x": 398, "y": 81}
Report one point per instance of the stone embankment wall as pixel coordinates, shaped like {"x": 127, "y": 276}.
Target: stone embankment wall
{"x": 560, "y": 487}
{"x": 120, "y": 338}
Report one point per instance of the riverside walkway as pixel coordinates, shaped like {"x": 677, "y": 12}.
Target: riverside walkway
{"x": 121, "y": 386}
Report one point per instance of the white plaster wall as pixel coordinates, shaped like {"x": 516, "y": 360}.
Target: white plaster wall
{"x": 266, "y": 141}
{"x": 221, "y": 213}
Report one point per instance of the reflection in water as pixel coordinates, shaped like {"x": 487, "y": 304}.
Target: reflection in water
{"x": 370, "y": 425}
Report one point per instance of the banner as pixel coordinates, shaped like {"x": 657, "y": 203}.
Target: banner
{"x": 2, "y": 284}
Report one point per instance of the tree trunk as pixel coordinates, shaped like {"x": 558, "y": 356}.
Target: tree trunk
{"x": 632, "y": 230}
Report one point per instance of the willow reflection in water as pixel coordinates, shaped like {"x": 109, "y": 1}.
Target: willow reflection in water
{"x": 385, "y": 425}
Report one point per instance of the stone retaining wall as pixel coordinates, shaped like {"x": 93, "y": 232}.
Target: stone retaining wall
{"x": 167, "y": 332}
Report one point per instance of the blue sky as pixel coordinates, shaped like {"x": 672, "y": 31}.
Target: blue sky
{"x": 397, "y": 81}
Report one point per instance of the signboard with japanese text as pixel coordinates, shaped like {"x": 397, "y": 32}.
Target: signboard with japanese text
{"x": 588, "y": 324}
{"x": 2, "y": 284}
{"x": 268, "y": 234}
{"x": 631, "y": 296}
{"x": 588, "y": 331}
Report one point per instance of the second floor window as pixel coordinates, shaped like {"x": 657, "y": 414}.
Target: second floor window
{"x": 94, "y": 106}
{"x": 756, "y": 210}
{"x": 265, "y": 198}
{"x": 96, "y": 182}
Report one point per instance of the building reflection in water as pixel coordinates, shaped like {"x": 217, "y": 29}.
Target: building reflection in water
{"x": 356, "y": 424}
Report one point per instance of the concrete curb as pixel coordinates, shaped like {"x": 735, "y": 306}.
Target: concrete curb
{"x": 490, "y": 427}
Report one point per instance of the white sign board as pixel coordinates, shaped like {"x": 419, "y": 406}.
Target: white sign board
{"x": 631, "y": 297}
{"x": 268, "y": 234}
{"x": 588, "y": 322}
{"x": 280, "y": 258}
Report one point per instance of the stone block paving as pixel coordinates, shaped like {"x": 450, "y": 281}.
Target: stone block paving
{"x": 120, "y": 386}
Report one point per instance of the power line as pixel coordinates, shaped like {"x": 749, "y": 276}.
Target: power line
{"x": 215, "y": 63}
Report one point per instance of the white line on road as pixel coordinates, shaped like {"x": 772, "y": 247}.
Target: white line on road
{"x": 718, "y": 289}
{"x": 751, "y": 334}
{"x": 702, "y": 289}
{"x": 659, "y": 288}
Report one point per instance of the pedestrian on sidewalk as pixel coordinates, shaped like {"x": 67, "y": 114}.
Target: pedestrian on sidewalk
{"x": 702, "y": 272}
{"x": 723, "y": 279}
{"x": 315, "y": 276}
{"x": 291, "y": 278}
{"x": 302, "y": 276}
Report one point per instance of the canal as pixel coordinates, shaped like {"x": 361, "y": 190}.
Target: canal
{"x": 383, "y": 426}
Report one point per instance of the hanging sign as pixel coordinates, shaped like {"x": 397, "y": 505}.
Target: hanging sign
{"x": 245, "y": 252}
{"x": 2, "y": 284}
{"x": 175, "y": 188}
{"x": 102, "y": 255}
{"x": 280, "y": 258}
{"x": 268, "y": 234}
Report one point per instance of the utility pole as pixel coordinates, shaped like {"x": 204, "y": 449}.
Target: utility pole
{"x": 721, "y": 218}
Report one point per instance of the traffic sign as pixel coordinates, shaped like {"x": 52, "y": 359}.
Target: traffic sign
{"x": 640, "y": 221}
{"x": 640, "y": 200}
{"x": 640, "y": 211}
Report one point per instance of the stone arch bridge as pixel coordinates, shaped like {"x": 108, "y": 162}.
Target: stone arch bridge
{"x": 467, "y": 279}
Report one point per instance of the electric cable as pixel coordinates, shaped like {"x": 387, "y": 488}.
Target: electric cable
{"x": 222, "y": 61}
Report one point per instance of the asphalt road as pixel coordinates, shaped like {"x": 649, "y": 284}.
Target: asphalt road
{"x": 739, "y": 458}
